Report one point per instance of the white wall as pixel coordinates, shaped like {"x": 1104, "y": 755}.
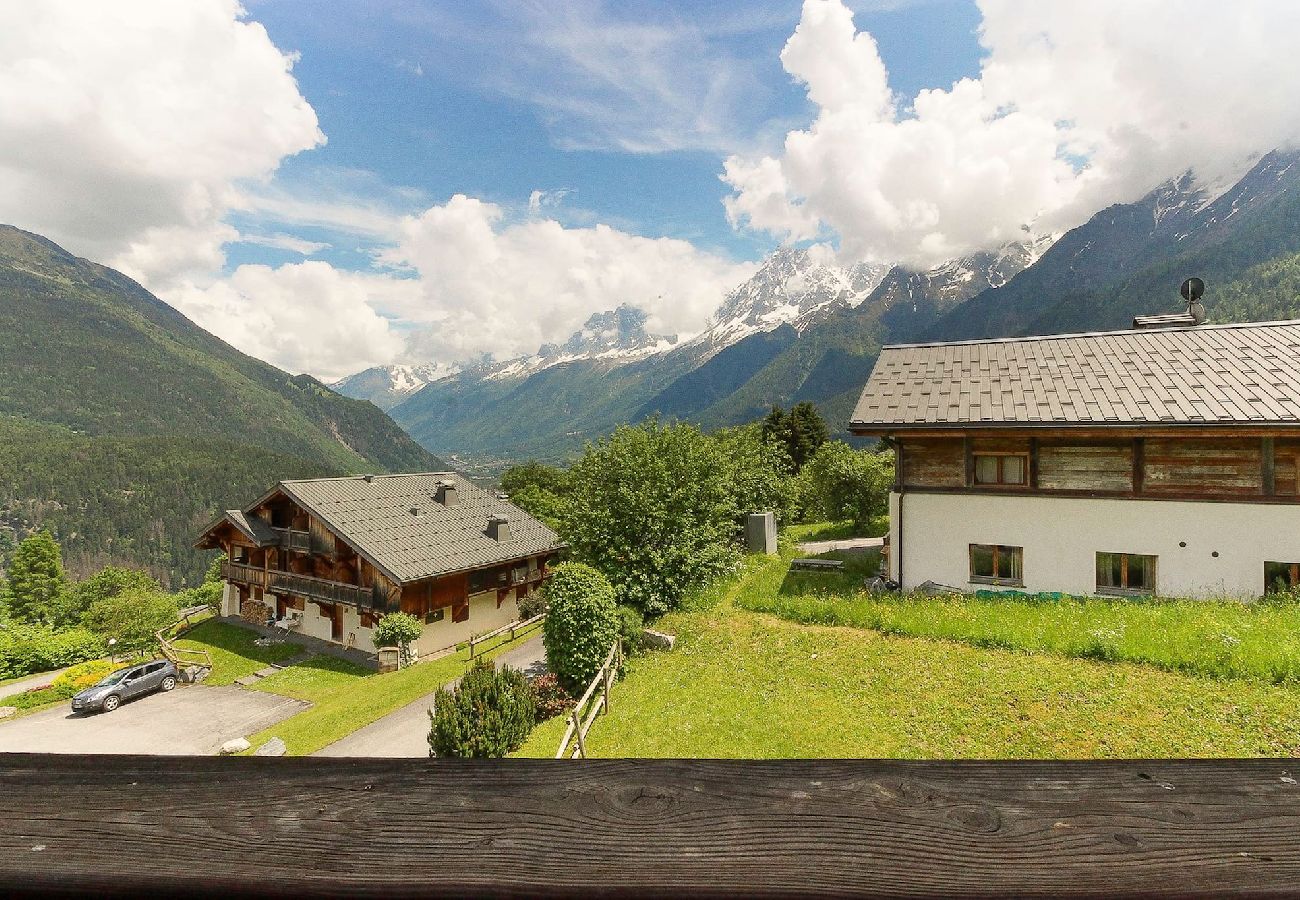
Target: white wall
{"x": 484, "y": 616}
{"x": 1061, "y": 537}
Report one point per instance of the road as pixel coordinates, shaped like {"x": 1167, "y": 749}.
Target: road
{"x": 859, "y": 543}
{"x": 31, "y": 681}
{"x": 191, "y": 720}
{"x": 405, "y": 733}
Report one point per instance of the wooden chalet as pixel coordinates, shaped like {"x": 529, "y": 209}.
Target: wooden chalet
{"x": 329, "y": 556}
{"x": 1132, "y": 462}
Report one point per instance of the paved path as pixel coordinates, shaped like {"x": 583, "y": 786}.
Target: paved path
{"x": 31, "y": 681}
{"x": 860, "y": 543}
{"x": 192, "y": 720}
{"x": 405, "y": 733}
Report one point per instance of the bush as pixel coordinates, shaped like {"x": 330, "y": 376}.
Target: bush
{"x": 550, "y": 696}
{"x": 107, "y": 582}
{"x": 849, "y": 484}
{"x": 132, "y": 619}
{"x": 399, "y": 630}
{"x": 87, "y": 674}
{"x": 532, "y": 605}
{"x": 580, "y": 625}
{"x": 487, "y": 715}
{"x": 630, "y": 624}
{"x": 28, "y": 649}
{"x": 653, "y": 507}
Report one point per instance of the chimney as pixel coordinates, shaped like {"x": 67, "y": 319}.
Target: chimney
{"x": 447, "y": 494}
{"x": 498, "y": 528}
{"x": 415, "y": 510}
{"x": 367, "y": 478}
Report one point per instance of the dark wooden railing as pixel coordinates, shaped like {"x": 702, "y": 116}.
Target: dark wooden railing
{"x": 294, "y": 540}
{"x": 319, "y": 589}
{"x": 231, "y": 571}
{"x": 215, "y": 827}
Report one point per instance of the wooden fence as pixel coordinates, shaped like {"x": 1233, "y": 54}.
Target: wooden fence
{"x": 514, "y": 629}
{"x": 123, "y": 826}
{"x": 580, "y": 721}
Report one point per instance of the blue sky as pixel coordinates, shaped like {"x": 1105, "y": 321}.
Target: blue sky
{"x": 419, "y": 104}
{"x": 333, "y": 186}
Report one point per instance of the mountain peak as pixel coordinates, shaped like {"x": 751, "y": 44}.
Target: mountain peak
{"x": 613, "y": 333}
{"x": 386, "y": 386}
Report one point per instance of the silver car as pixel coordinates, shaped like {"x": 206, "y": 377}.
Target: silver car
{"x": 126, "y": 684}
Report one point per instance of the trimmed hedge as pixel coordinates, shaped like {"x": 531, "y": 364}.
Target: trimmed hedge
{"x": 581, "y": 624}
{"x": 29, "y": 649}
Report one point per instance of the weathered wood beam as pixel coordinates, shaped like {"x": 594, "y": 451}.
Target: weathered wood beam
{"x": 210, "y": 827}
{"x": 1139, "y": 464}
{"x": 1267, "y": 466}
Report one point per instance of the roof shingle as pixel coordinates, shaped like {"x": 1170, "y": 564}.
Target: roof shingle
{"x": 1212, "y": 374}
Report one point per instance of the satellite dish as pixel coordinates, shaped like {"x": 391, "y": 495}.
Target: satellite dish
{"x": 1192, "y": 289}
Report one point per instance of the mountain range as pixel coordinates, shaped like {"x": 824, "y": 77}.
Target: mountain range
{"x": 802, "y": 328}
{"x": 124, "y": 427}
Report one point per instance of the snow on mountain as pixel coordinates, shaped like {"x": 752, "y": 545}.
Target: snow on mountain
{"x": 792, "y": 287}
{"x": 618, "y": 336}
{"x": 386, "y": 386}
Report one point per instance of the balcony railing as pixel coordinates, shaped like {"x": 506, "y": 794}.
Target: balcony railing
{"x": 320, "y": 589}
{"x": 300, "y": 585}
{"x": 294, "y": 540}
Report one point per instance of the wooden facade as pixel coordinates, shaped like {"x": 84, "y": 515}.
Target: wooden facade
{"x": 1210, "y": 465}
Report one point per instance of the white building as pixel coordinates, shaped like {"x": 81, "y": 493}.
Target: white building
{"x": 1138, "y": 462}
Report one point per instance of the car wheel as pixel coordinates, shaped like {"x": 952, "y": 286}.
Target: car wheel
{"x": 167, "y": 683}
{"x": 112, "y": 702}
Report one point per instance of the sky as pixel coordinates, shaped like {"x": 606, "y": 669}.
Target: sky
{"x": 335, "y": 186}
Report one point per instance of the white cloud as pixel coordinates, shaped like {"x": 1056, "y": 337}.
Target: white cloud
{"x": 490, "y": 286}
{"x": 1138, "y": 91}
{"x": 126, "y": 126}
{"x": 303, "y": 317}
{"x": 286, "y": 242}
{"x": 539, "y": 199}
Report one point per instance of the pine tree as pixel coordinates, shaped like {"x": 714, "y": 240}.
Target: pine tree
{"x": 36, "y": 581}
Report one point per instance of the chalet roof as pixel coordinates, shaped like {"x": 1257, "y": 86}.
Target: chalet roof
{"x": 1209, "y": 375}
{"x": 373, "y": 514}
{"x": 255, "y": 529}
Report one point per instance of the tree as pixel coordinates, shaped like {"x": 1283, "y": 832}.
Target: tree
{"x": 487, "y": 715}
{"x": 538, "y": 489}
{"x": 759, "y": 471}
{"x": 652, "y": 508}
{"x": 36, "y": 581}
{"x": 107, "y": 582}
{"x": 801, "y": 431}
{"x": 850, "y": 484}
{"x": 581, "y": 623}
{"x": 399, "y": 630}
{"x": 132, "y": 618}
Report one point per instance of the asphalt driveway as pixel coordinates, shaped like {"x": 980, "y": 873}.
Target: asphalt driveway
{"x": 405, "y": 733}
{"x": 192, "y": 720}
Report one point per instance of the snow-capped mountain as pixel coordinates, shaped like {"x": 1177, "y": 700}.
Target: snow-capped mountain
{"x": 793, "y": 287}
{"x": 386, "y": 386}
{"x": 617, "y": 336}
{"x": 962, "y": 278}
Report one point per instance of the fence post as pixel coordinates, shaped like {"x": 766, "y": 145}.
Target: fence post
{"x": 577, "y": 729}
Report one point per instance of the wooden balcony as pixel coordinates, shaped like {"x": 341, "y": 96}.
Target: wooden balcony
{"x": 294, "y": 540}
{"x": 299, "y": 585}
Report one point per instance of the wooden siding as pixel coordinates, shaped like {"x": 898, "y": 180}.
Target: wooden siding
{"x": 1286, "y": 467}
{"x": 1086, "y": 467}
{"x": 1229, "y": 466}
{"x": 934, "y": 463}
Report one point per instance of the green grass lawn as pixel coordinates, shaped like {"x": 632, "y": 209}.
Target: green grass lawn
{"x": 1221, "y": 638}
{"x": 835, "y": 531}
{"x": 234, "y": 653}
{"x": 744, "y": 684}
{"x": 345, "y": 698}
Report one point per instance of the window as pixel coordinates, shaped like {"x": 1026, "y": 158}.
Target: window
{"x": 1126, "y": 573}
{"x": 433, "y": 615}
{"x": 1279, "y": 576}
{"x": 1001, "y": 468}
{"x": 996, "y": 564}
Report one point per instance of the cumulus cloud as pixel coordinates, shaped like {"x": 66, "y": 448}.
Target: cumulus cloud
{"x": 1077, "y": 106}
{"x": 488, "y": 285}
{"x": 127, "y": 126}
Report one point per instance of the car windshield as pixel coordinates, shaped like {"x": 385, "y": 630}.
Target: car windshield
{"x": 115, "y": 678}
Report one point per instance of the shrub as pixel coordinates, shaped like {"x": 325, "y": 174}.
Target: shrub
{"x": 107, "y": 582}
{"x": 550, "y": 696}
{"x": 28, "y": 649}
{"x": 849, "y": 484}
{"x": 399, "y": 630}
{"x": 653, "y": 507}
{"x": 87, "y": 674}
{"x": 532, "y": 605}
{"x": 487, "y": 715}
{"x": 580, "y": 625}
{"x": 630, "y": 624}
{"x": 132, "y": 619}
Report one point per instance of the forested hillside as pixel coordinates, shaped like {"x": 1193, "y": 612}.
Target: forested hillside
{"x": 123, "y": 425}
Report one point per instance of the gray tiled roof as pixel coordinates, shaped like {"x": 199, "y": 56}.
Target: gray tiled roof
{"x": 375, "y": 517}
{"x": 255, "y": 528}
{"x": 1224, "y": 374}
